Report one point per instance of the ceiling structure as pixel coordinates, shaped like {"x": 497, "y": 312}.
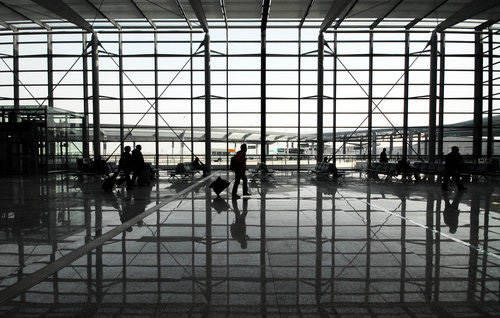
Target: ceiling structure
{"x": 16, "y": 15}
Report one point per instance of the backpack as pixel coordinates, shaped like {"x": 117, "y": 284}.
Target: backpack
{"x": 232, "y": 163}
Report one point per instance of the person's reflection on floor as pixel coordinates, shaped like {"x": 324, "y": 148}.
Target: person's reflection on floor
{"x": 451, "y": 211}
{"x": 239, "y": 227}
{"x": 134, "y": 203}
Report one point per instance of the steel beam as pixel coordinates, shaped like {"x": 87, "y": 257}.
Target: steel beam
{"x": 417, "y": 20}
{"x": 85, "y": 128}
{"x": 489, "y": 148}
{"x": 208, "y": 119}
{"x": 319, "y": 131}
{"x": 406, "y": 94}
{"x": 143, "y": 14}
{"x": 334, "y": 137}
{"x": 468, "y": 11}
{"x": 15, "y": 69}
{"x": 432, "y": 98}
{"x": 200, "y": 14}
{"x": 157, "y": 106}
{"x": 120, "y": 91}
{"x": 224, "y": 13}
{"x": 112, "y": 21}
{"x": 61, "y": 9}
{"x": 478, "y": 97}
{"x": 380, "y": 19}
{"x": 50, "y": 71}
{"x": 370, "y": 101}
{"x": 342, "y": 18}
{"x": 96, "y": 142}
{"x": 9, "y": 7}
{"x": 299, "y": 95}
{"x": 441, "y": 96}
{"x": 486, "y": 24}
{"x": 335, "y": 10}
{"x": 263, "y": 81}
{"x": 301, "y": 23}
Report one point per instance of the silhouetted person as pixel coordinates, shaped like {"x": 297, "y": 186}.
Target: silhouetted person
{"x": 134, "y": 204}
{"x": 325, "y": 159}
{"x": 239, "y": 227}
{"x": 137, "y": 162}
{"x": 453, "y": 163}
{"x": 125, "y": 164}
{"x": 240, "y": 161}
{"x": 197, "y": 164}
{"x": 403, "y": 166}
{"x": 383, "y": 156}
{"x": 451, "y": 211}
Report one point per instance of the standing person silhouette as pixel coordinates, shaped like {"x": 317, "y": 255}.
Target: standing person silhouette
{"x": 137, "y": 162}
{"x": 125, "y": 164}
{"x": 240, "y": 161}
{"x": 383, "y": 156}
{"x": 453, "y": 162}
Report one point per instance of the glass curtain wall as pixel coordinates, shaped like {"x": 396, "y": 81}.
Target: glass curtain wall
{"x": 149, "y": 80}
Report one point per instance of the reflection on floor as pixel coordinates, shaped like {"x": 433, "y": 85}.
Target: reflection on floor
{"x": 296, "y": 247}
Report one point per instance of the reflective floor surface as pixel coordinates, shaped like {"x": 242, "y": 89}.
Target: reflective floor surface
{"x": 296, "y": 248}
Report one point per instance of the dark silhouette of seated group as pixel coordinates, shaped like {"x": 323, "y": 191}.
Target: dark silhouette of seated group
{"x": 453, "y": 163}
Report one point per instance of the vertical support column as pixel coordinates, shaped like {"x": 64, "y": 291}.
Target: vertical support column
{"x": 489, "y": 147}
{"x": 299, "y": 97}
{"x": 334, "y": 135}
{"x": 49, "y": 146}
{"x": 157, "y": 106}
{"x": 96, "y": 142}
{"x": 85, "y": 124}
{"x": 406, "y": 94}
{"x": 432, "y": 98}
{"x": 15, "y": 68}
{"x": 263, "y": 96}
{"x": 391, "y": 144}
{"x": 120, "y": 79}
{"x": 208, "y": 118}
{"x": 441, "y": 96}
{"x": 50, "y": 71}
{"x": 419, "y": 140}
{"x": 370, "y": 101}
{"x": 321, "y": 53}
{"x": 478, "y": 96}
{"x": 191, "y": 95}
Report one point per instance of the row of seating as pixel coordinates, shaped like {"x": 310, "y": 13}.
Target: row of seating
{"x": 388, "y": 169}
{"x": 325, "y": 170}
{"x": 262, "y": 172}
{"x": 431, "y": 168}
{"x": 184, "y": 170}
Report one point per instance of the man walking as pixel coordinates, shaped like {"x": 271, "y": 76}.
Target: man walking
{"x": 240, "y": 166}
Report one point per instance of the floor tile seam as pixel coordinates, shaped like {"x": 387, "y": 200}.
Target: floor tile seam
{"x": 41, "y": 274}
{"x": 477, "y": 248}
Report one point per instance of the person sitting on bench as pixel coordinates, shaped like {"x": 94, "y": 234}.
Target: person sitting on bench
{"x": 198, "y": 165}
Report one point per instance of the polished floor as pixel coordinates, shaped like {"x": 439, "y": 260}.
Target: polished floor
{"x": 296, "y": 248}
